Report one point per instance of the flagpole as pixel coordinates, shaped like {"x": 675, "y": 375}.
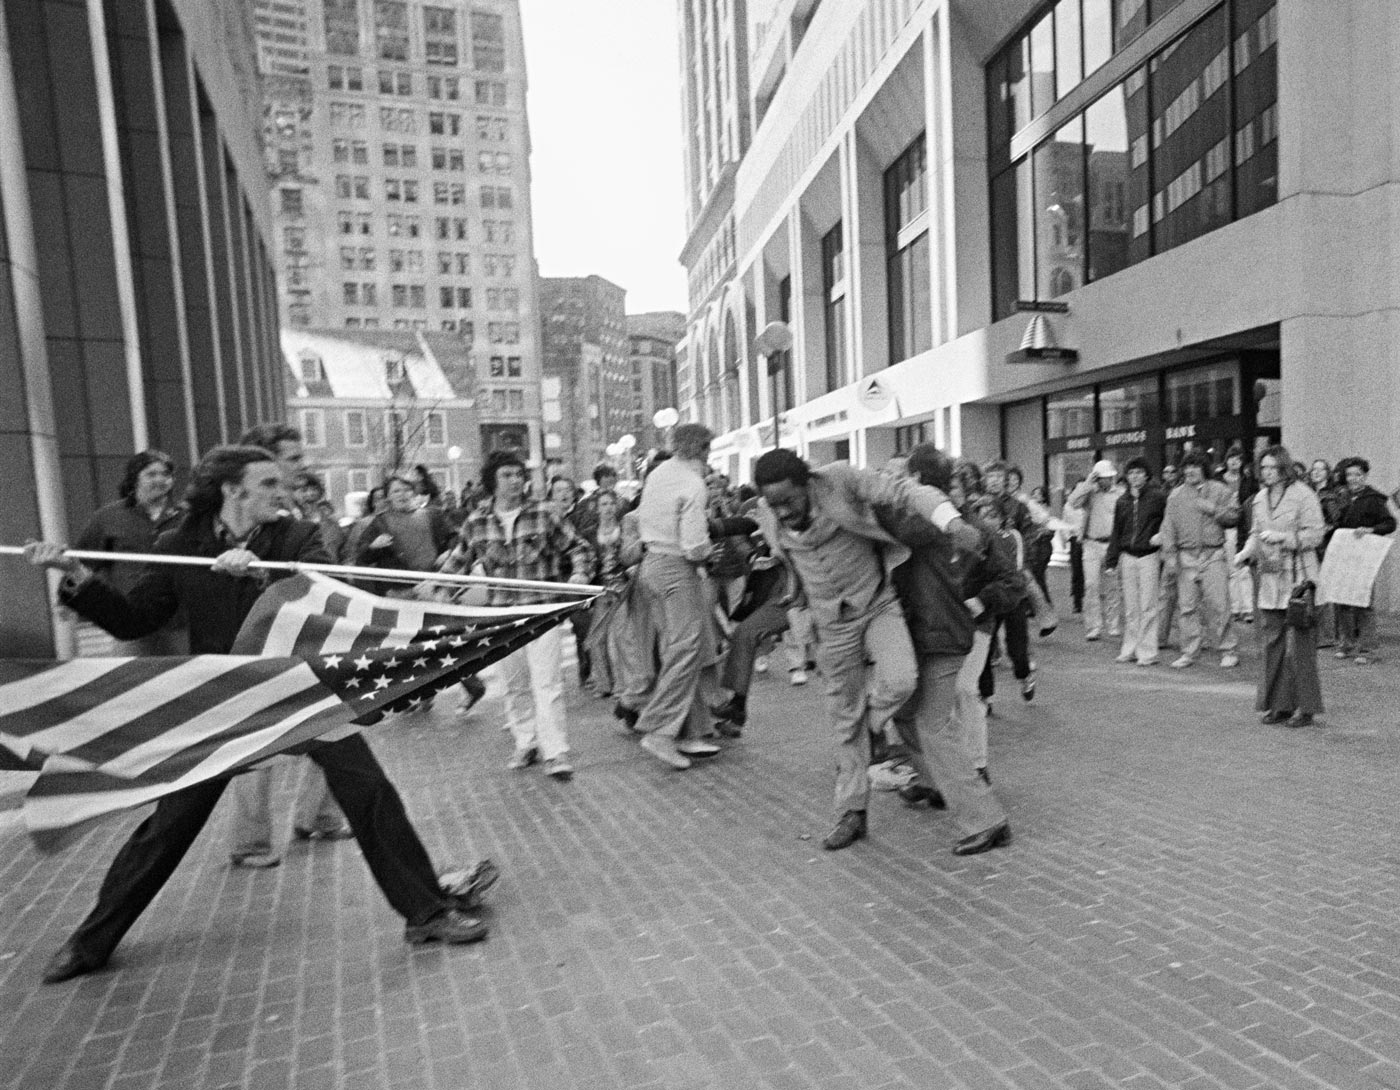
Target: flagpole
{"x": 346, "y": 570}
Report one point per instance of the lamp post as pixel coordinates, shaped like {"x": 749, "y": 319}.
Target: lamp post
{"x": 772, "y": 344}
{"x": 625, "y": 444}
{"x": 454, "y": 455}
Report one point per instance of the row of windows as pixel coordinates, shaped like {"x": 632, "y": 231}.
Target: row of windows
{"x": 414, "y": 297}
{"x": 391, "y": 33}
{"x": 357, "y": 187}
{"x": 1068, "y": 42}
{"x": 360, "y": 428}
{"x": 1187, "y": 143}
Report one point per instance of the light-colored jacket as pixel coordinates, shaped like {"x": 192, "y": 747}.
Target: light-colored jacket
{"x": 849, "y": 497}
{"x": 1283, "y": 565}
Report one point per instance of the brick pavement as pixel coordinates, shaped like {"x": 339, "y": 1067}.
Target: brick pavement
{"x": 1193, "y": 901}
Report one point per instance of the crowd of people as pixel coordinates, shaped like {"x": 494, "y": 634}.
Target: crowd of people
{"x": 1214, "y": 547}
{"x": 902, "y": 590}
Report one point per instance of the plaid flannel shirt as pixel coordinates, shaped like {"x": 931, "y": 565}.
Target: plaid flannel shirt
{"x": 541, "y": 540}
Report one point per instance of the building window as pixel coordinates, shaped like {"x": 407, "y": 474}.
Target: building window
{"x": 434, "y": 429}
{"x": 342, "y": 24}
{"x": 440, "y": 36}
{"x": 490, "y": 92}
{"x": 907, "y": 254}
{"x": 444, "y": 123}
{"x": 448, "y": 88}
{"x": 356, "y": 434}
{"x": 294, "y": 239}
{"x": 834, "y": 305}
{"x": 313, "y": 427}
{"x": 391, "y": 30}
{"x": 1186, "y": 143}
{"x": 488, "y": 42}
{"x": 312, "y": 370}
{"x": 357, "y": 480}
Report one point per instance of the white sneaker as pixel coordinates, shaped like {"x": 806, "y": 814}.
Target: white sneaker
{"x": 1229, "y": 660}
{"x": 1185, "y": 661}
{"x": 797, "y": 677}
{"x": 760, "y": 664}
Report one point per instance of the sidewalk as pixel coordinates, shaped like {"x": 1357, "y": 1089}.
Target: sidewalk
{"x": 1193, "y": 900}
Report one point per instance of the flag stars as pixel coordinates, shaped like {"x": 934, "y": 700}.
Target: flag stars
{"x": 333, "y": 662}
{"x": 447, "y": 661}
{"x": 381, "y": 682}
{"x": 364, "y": 662}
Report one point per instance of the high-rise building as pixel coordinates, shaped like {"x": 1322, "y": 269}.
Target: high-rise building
{"x": 137, "y": 295}
{"x": 936, "y": 191}
{"x": 588, "y": 399}
{"x": 399, "y": 145}
{"x": 654, "y": 336}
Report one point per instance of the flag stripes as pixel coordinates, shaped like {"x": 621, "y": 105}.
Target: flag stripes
{"x": 313, "y": 659}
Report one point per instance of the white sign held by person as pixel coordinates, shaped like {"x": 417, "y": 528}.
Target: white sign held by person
{"x": 1350, "y": 568}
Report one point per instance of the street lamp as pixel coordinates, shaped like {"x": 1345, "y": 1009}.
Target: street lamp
{"x": 772, "y": 344}
{"x": 454, "y": 455}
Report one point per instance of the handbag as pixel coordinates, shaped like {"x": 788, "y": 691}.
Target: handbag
{"x": 1302, "y": 602}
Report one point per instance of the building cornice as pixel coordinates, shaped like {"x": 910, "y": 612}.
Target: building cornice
{"x": 716, "y": 207}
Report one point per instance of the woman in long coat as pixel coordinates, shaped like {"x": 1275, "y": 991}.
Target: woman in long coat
{"x": 1286, "y": 528}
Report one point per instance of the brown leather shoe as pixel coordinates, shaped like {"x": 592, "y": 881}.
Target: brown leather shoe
{"x": 848, "y": 830}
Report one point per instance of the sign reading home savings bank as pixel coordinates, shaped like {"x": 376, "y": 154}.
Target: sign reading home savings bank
{"x": 874, "y": 395}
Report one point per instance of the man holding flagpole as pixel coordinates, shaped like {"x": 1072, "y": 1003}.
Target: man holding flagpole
{"x": 234, "y": 518}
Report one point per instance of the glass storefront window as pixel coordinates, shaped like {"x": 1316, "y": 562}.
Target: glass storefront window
{"x": 1129, "y": 405}
{"x": 1163, "y": 158}
{"x": 1063, "y": 472}
{"x": 1256, "y": 104}
{"x": 1203, "y": 393}
{"x": 1013, "y": 244}
{"x": 1042, "y": 41}
{"x": 1070, "y": 413}
{"x": 1191, "y": 134}
{"x": 1059, "y": 210}
{"x": 1106, "y": 133}
{"x": 1131, "y": 21}
{"x": 1069, "y": 48}
{"x": 1098, "y": 34}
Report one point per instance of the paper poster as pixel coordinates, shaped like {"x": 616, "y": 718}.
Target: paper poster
{"x": 1349, "y": 570}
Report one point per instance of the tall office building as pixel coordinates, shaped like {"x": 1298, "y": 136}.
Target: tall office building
{"x": 137, "y": 297}
{"x": 654, "y": 336}
{"x": 935, "y": 191}
{"x": 399, "y": 146}
{"x": 588, "y": 399}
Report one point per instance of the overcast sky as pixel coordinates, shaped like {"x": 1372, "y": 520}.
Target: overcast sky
{"x": 605, "y": 125}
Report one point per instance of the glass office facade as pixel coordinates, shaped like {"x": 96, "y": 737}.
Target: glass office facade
{"x": 1183, "y": 144}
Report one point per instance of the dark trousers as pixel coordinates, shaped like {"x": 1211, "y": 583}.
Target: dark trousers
{"x": 1038, "y": 554}
{"x": 767, "y": 620}
{"x": 1290, "y": 682}
{"x": 582, "y": 622}
{"x": 1018, "y": 649}
{"x": 372, "y": 806}
{"x": 1076, "y": 573}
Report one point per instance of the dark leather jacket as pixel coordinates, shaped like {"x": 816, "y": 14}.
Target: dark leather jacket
{"x": 215, "y": 604}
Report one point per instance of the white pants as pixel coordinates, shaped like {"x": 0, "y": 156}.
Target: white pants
{"x": 971, "y": 712}
{"x": 1141, "y": 578}
{"x": 536, "y": 670}
{"x": 1100, "y": 595}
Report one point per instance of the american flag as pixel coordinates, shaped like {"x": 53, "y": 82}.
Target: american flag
{"x": 314, "y": 659}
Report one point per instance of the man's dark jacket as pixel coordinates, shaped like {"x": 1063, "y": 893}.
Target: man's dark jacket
{"x": 941, "y": 572}
{"x": 1136, "y": 519}
{"x": 215, "y": 603}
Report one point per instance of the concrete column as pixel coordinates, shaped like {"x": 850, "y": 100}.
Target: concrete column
{"x": 808, "y": 309}
{"x": 202, "y": 300}
{"x": 867, "y": 280}
{"x": 959, "y": 158}
{"x": 31, "y": 491}
{"x": 936, "y": 124}
{"x": 223, "y": 260}
{"x": 124, "y": 273}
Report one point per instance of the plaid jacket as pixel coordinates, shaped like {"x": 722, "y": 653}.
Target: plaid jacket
{"x": 540, "y": 542}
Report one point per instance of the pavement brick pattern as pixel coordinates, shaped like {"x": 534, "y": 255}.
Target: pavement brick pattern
{"x": 1192, "y": 901}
